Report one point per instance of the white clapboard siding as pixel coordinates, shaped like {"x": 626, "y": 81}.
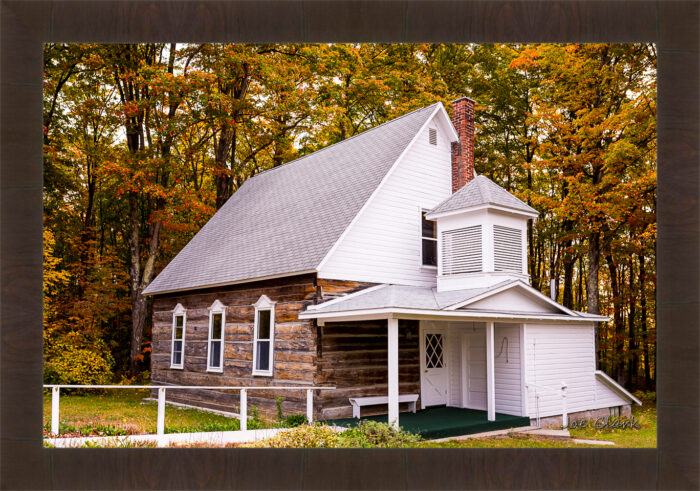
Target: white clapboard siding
{"x": 507, "y": 369}
{"x": 384, "y": 244}
{"x": 555, "y": 354}
{"x": 507, "y": 249}
{"x": 461, "y": 250}
{"x": 454, "y": 366}
{"x": 606, "y": 397}
{"x": 476, "y": 370}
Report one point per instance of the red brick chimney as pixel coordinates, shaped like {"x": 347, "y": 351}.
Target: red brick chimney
{"x": 463, "y": 151}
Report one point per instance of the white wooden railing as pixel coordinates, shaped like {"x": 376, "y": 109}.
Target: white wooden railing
{"x": 561, "y": 390}
{"x": 160, "y": 426}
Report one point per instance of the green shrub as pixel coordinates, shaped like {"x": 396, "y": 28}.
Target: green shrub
{"x": 367, "y": 434}
{"x": 314, "y": 436}
{"x": 278, "y": 402}
{"x": 647, "y": 397}
{"x": 375, "y": 434}
{"x": 296, "y": 419}
{"x": 75, "y": 358}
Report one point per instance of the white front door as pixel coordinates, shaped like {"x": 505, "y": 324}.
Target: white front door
{"x": 433, "y": 381}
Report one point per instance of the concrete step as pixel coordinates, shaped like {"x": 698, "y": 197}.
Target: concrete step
{"x": 592, "y": 442}
{"x": 559, "y": 434}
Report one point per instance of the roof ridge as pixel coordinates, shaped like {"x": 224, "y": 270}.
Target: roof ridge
{"x": 315, "y": 152}
{"x": 484, "y": 191}
{"x": 510, "y": 193}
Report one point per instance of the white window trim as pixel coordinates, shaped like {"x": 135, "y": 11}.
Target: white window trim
{"x": 430, "y": 267}
{"x": 179, "y": 310}
{"x": 216, "y": 308}
{"x": 264, "y": 303}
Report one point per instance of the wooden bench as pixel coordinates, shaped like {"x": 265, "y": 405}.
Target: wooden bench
{"x": 358, "y": 402}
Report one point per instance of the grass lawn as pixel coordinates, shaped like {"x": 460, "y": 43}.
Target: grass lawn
{"x": 637, "y": 438}
{"x": 644, "y": 437}
{"x": 121, "y": 412}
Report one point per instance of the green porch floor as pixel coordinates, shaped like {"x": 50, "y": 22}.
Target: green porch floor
{"x": 443, "y": 422}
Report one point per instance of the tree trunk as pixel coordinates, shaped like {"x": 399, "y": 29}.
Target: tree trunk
{"x": 568, "y": 262}
{"x": 617, "y": 357}
{"x": 137, "y": 300}
{"x": 643, "y": 322}
{"x": 631, "y": 333}
{"x": 592, "y": 287}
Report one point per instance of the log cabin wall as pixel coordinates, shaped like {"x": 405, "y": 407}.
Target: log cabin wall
{"x": 295, "y": 342}
{"x": 352, "y": 356}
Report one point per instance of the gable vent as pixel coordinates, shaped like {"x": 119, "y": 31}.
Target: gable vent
{"x": 507, "y": 249}
{"x": 461, "y": 250}
{"x": 432, "y": 136}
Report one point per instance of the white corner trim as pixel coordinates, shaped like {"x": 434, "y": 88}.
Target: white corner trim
{"x": 615, "y": 386}
{"x": 346, "y": 297}
{"x": 376, "y": 191}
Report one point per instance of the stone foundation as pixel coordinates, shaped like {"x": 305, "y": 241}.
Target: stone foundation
{"x": 554, "y": 422}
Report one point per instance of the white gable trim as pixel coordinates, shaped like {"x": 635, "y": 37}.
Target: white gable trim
{"x": 514, "y": 284}
{"x": 603, "y": 377}
{"x": 505, "y": 209}
{"x": 439, "y": 107}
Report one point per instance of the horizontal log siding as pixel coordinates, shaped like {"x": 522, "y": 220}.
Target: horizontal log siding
{"x": 352, "y": 356}
{"x": 295, "y": 343}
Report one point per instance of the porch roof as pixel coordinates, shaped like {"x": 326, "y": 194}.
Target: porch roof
{"x": 388, "y": 300}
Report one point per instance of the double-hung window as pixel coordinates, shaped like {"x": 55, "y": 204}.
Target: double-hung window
{"x": 215, "y": 344}
{"x": 177, "y": 356}
{"x": 428, "y": 241}
{"x": 264, "y": 337}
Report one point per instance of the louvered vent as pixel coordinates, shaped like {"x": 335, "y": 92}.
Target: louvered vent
{"x": 507, "y": 249}
{"x": 461, "y": 250}
{"x": 432, "y": 136}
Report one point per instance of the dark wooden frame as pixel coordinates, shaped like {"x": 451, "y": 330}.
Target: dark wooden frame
{"x": 672, "y": 25}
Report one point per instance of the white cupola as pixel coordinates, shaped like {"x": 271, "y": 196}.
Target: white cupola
{"x": 482, "y": 236}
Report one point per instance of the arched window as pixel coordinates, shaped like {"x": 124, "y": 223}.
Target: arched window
{"x": 264, "y": 336}
{"x": 215, "y": 345}
{"x": 177, "y": 353}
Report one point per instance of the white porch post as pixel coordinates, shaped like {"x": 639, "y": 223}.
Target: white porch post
{"x": 490, "y": 374}
{"x": 393, "y": 361}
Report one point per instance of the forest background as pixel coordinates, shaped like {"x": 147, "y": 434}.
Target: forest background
{"x": 144, "y": 142}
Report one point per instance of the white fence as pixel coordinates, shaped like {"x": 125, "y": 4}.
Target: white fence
{"x": 561, "y": 390}
{"x": 243, "y": 411}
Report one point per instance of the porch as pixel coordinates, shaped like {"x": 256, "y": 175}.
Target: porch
{"x": 444, "y": 422}
{"x": 459, "y": 349}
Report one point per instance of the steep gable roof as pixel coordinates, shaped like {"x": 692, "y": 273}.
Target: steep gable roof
{"x": 481, "y": 191}
{"x": 286, "y": 219}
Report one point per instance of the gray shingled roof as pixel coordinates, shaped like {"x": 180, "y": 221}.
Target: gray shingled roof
{"x": 404, "y": 297}
{"x": 286, "y": 219}
{"x": 481, "y": 191}
{"x": 423, "y": 298}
